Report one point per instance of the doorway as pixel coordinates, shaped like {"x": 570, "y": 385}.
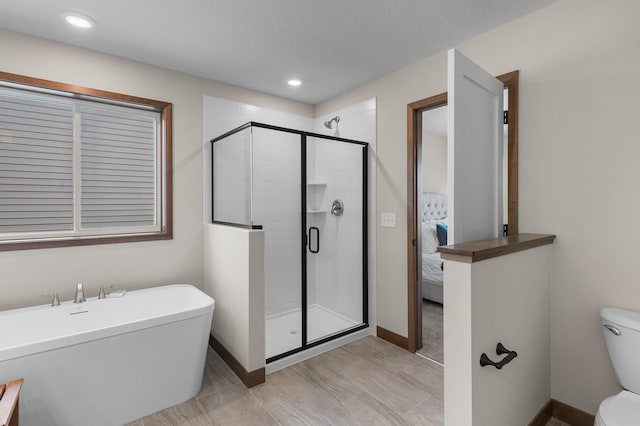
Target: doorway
{"x": 415, "y": 112}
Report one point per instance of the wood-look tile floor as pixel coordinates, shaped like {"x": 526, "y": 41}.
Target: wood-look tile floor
{"x": 367, "y": 382}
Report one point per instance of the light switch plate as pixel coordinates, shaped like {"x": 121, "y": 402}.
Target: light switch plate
{"x": 388, "y": 220}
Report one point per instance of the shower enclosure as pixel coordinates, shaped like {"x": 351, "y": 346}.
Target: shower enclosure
{"x": 308, "y": 193}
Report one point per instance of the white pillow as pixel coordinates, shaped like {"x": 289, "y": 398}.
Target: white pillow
{"x": 429, "y": 237}
{"x": 444, "y": 221}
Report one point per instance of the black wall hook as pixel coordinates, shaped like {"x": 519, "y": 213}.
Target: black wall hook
{"x": 500, "y": 350}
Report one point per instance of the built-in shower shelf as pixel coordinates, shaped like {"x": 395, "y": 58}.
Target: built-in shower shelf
{"x": 317, "y": 211}
{"x": 316, "y": 183}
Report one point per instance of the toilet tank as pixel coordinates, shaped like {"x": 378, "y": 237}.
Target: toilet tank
{"x": 622, "y": 335}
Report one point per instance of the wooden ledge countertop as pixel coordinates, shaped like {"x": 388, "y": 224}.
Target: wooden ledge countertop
{"x": 476, "y": 251}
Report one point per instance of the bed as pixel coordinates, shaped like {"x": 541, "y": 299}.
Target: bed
{"x": 434, "y": 228}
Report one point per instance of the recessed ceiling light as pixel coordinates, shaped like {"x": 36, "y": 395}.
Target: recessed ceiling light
{"x": 294, "y": 82}
{"x": 78, "y": 19}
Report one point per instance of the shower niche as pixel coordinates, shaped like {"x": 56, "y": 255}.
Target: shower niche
{"x": 308, "y": 193}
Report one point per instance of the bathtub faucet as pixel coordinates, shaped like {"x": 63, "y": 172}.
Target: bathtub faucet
{"x": 79, "y": 294}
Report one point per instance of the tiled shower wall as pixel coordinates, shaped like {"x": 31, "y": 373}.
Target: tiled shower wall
{"x": 335, "y": 273}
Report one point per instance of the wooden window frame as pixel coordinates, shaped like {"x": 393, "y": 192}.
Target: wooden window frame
{"x": 165, "y": 109}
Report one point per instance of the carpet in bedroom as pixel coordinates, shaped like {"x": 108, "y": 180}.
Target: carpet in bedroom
{"x": 432, "y": 331}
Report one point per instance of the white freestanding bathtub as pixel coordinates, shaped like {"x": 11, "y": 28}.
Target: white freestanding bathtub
{"x": 109, "y": 361}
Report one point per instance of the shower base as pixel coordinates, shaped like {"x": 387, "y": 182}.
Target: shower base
{"x": 283, "y": 331}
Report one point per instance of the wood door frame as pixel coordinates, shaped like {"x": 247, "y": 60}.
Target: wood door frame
{"x": 414, "y": 188}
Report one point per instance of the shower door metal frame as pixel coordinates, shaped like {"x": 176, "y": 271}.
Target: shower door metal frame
{"x": 303, "y": 228}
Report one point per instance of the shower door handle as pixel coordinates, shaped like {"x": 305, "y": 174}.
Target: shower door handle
{"x": 317, "y": 242}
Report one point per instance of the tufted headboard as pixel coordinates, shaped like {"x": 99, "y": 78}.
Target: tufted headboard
{"x": 434, "y": 206}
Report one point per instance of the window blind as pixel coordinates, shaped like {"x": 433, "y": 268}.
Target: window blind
{"x": 118, "y": 168}
{"x": 81, "y": 166}
{"x": 36, "y": 165}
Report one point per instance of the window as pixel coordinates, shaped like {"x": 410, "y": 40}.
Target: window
{"x": 81, "y": 166}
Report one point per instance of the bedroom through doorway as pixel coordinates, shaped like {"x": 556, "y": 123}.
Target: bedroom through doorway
{"x": 434, "y": 225}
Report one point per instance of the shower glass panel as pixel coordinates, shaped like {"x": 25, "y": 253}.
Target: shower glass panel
{"x": 335, "y": 277}
{"x": 277, "y": 207}
{"x": 231, "y": 157}
{"x": 308, "y": 192}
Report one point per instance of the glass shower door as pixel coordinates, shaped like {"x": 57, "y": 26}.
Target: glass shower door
{"x": 336, "y": 237}
{"x": 277, "y": 206}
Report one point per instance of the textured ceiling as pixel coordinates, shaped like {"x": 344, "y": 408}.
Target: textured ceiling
{"x": 331, "y": 45}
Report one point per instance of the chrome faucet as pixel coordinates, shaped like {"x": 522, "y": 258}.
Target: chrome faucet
{"x": 55, "y": 301}
{"x": 79, "y": 294}
{"x": 337, "y": 208}
{"x": 103, "y": 291}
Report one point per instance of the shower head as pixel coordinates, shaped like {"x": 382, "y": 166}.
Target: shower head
{"x": 329, "y": 125}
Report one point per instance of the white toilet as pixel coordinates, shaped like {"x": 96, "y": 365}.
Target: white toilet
{"x": 622, "y": 336}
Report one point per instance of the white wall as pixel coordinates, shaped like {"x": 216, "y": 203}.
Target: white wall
{"x": 26, "y": 275}
{"x": 503, "y": 299}
{"x": 234, "y": 277}
{"x": 434, "y": 163}
{"x": 579, "y": 91}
